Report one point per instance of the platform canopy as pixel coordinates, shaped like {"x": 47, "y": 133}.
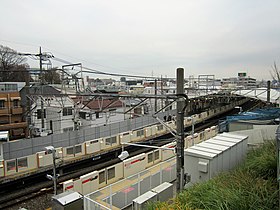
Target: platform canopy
{"x": 260, "y": 93}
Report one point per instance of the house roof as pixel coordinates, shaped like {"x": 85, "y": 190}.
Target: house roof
{"x": 101, "y": 104}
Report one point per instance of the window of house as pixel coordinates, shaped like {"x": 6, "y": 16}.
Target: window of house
{"x": 39, "y": 113}
{"x": 98, "y": 115}
{"x": 16, "y": 103}
{"x": 82, "y": 115}
{"x": 67, "y": 129}
{"x": 67, "y": 111}
{"x": 2, "y": 104}
{"x": 112, "y": 112}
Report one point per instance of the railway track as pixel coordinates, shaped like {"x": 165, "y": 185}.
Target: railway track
{"x": 37, "y": 185}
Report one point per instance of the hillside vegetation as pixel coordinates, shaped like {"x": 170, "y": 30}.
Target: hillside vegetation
{"x": 253, "y": 185}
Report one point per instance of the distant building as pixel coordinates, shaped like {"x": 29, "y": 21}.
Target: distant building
{"x": 240, "y": 82}
{"x": 11, "y": 110}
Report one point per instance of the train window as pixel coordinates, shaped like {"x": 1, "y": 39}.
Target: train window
{"x": 108, "y": 141}
{"x": 113, "y": 140}
{"x": 160, "y": 127}
{"x": 111, "y": 173}
{"x": 78, "y": 149}
{"x": 69, "y": 151}
{"x": 140, "y": 133}
{"x": 201, "y": 135}
{"x": 150, "y": 157}
{"x": 11, "y": 165}
{"x": 101, "y": 177}
{"x": 156, "y": 155}
{"x": 22, "y": 162}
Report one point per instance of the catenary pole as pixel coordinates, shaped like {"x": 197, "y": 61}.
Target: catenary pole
{"x": 180, "y": 129}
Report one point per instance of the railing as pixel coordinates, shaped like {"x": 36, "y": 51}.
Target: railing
{"x": 121, "y": 194}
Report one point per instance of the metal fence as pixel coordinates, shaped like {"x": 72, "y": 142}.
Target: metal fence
{"x": 121, "y": 194}
{"x": 24, "y": 147}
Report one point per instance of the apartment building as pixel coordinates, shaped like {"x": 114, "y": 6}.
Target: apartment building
{"x": 11, "y": 111}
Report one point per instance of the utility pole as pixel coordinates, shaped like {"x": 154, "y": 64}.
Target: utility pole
{"x": 41, "y": 83}
{"x": 180, "y": 129}
{"x": 155, "y": 95}
{"x": 268, "y": 93}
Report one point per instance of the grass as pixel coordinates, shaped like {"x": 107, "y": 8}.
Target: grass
{"x": 252, "y": 186}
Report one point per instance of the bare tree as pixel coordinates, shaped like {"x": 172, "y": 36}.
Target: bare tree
{"x": 275, "y": 73}
{"x": 12, "y": 66}
{"x": 52, "y": 76}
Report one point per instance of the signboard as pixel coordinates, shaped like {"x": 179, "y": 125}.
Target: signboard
{"x": 242, "y": 74}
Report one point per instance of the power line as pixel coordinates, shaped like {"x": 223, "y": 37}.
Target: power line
{"x": 95, "y": 71}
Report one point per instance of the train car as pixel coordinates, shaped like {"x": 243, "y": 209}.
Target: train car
{"x": 2, "y": 170}
{"x": 134, "y": 165}
{"x": 188, "y": 141}
{"x": 137, "y": 135}
{"x": 214, "y": 131}
{"x": 153, "y": 131}
{"x": 171, "y": 124}
{"x": 207, "y": 134}
{"x": 68, "y": 185}
{"x": 114, "y": 173}
{"x": 125, "y": 137}
{"x": 204, "y": 115}
{"x": 167, "y": 154}
{"x": 201, "y": 138}
{"x": 74, "y": 151}
{"x": 197, "y": 138}
{"x": 160, "y": 129}
{"x": 93, "y": 146}
{"x": 10, "y": 167}
{"x": 153, "y": 157}
{"x": 188, "y": 121}
{"x": 149, "y": 132}
{"x": 44, "y": 159}
{"x": 27, "y": 163}
{"x": 78, "y": 186}
{"x": 110, "y": 142}
{"x": 89, "y": 182}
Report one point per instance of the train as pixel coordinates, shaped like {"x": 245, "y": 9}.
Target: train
{"x": 95, "y": 180}
{"x": 90, "y": 148}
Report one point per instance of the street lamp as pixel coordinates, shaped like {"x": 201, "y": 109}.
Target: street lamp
{"x": 51, "y": 150}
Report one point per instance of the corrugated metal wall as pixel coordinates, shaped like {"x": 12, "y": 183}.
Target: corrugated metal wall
{"x": 24, "y": 147}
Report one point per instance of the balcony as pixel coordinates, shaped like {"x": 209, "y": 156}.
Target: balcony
{"x": 17, "y": 110}
{"x": 13, "y": 126}
{"x": 4, "y": 111}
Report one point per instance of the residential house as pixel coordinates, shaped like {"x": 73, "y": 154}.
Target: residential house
{"x": 50, "y": 112}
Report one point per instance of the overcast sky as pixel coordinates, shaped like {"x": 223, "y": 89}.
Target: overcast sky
{"x": 145, "y": 37}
